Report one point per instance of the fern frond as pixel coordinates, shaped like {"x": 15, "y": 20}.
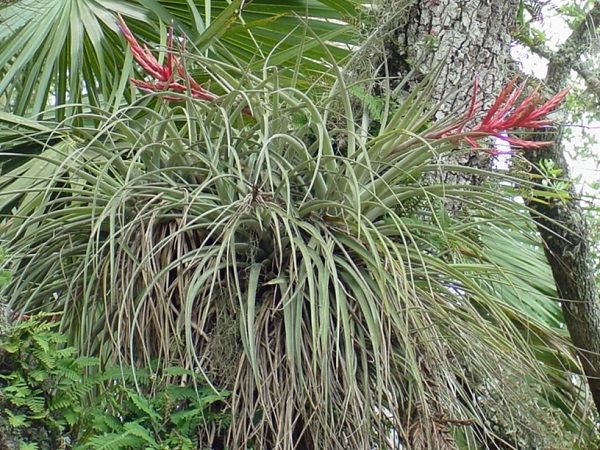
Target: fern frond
{"x": 144, "y": 405}
{"x": 375, "y": 105}
{"x": 136, "y": 429}
{"x": 114, "y": 441}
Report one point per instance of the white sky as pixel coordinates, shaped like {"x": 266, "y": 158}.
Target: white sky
{"x": 557, "y": 31}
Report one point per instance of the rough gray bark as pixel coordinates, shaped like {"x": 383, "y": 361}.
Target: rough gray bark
{"x": 468, "y": 39}
{"x": 563, "y": 226}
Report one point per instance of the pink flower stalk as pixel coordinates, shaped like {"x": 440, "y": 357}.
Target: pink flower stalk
{"x": 507, "y": 113}
{"x": 167, "y": 74}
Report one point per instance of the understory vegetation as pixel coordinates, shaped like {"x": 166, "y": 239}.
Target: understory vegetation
{"x": 53, "y": 399}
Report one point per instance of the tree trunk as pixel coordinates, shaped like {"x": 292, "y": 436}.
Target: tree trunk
{"x": 562, "y": 224}
{"x": 565, "y": 235}
{"x": 467, "y": 39}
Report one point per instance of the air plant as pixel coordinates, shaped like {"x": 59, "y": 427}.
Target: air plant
{"x": 506, "y": 114}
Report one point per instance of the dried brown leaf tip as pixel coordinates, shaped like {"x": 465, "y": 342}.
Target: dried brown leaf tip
{"x": 170, "y": 76}
{"x": 510, "y": 111}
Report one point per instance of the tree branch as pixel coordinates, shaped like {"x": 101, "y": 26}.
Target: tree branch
{"x": 564, "y": 231}
{"x": 576, "y": 45}
{"x": 562, "y": 224}
{"x": 590, "y": 76}
{"x": 542, "y": 50}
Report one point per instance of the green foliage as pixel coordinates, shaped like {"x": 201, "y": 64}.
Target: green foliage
{"x": 574, "y": 11}
{"x": 529, "y": 12}
{"x": 555, "y": 187}
{"x": 126, "y": 415}
{"x": 374, "y": 104}
{"x": 41, "y": 379}
{"x": 319, "y": 284}
{"x": 4, "y": 274}
{"x": 44, "y": 384}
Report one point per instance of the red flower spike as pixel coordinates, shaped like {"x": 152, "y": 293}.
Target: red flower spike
{"x": 506, "y": 114}
{"x": 141, "y": 54}
{"x": 509, "y": 87}
{"x": 165, "y": 74}
{"x": 473, "y": 105}
{"x": 169, "y": 47}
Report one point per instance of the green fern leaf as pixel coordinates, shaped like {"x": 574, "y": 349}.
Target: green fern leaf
{"x": 374, "y": 104}
{"x": 140, "y": 431}
{"x": 114, "y": 441}
{"x": 61, "y": 402}
{"x": 38, "y": 374}
{"x": 144, "y": 405}
{"x": 16, "y": 420}
{"x": 87, "y": 361}
{"x": 70, "y": 370}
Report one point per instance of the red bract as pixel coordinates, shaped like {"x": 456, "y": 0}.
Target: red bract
{"x": 167, "y": 75}
{"x": 508, "y": 113}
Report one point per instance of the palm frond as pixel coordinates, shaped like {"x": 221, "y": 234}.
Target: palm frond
{"x": 70, "y": 52}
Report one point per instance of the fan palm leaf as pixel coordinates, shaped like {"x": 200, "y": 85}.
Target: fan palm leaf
{"x": 67, "y": 51}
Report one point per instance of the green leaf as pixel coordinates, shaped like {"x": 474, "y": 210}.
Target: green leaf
{"x": 144, "y": 405}
{"x": 16, "y": 420}
{"x": 140, "y": 431}
{"x": 28, "y": 446}
{"x": 114, "y": 441}
{"x": 219, "y": 25}
{"x": 345, "y": 6}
